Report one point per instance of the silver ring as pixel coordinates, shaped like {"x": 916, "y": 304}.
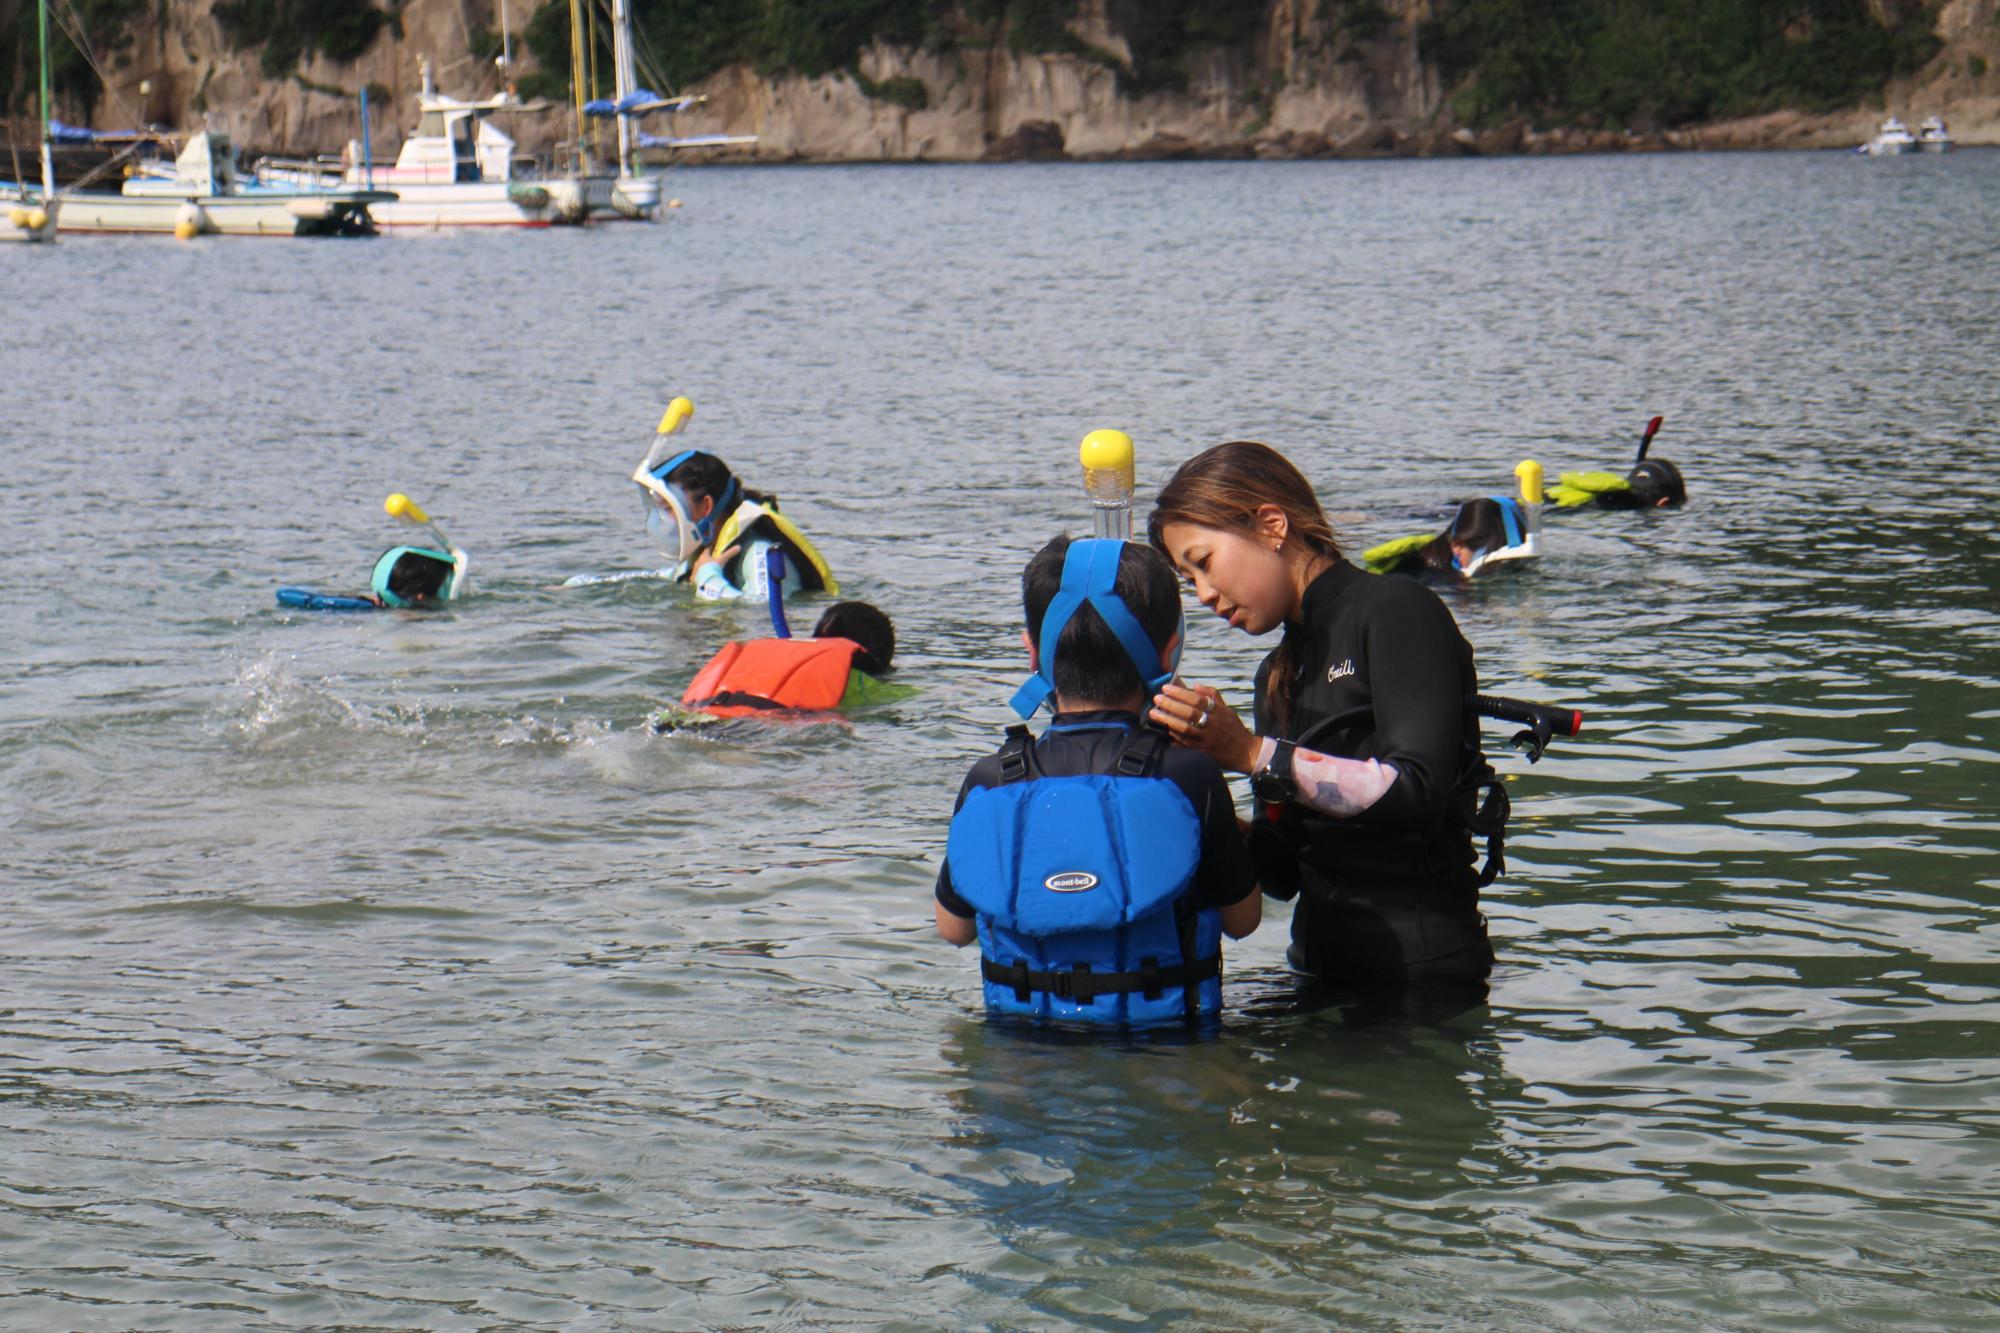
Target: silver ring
{"x": 1202, "y": 722}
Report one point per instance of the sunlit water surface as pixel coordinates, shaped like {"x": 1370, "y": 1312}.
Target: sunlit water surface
{"x": 387, "y": 971}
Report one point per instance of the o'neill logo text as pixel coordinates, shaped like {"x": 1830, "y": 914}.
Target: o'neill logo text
{"x": 1070, "y": 881}
{"x": 1335, "y": 672}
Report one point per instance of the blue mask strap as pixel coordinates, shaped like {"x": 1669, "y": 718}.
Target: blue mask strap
{"x": 663, "y": 469}
{"x": 1090, "y": 575}
{"x": 705, "y": 528}
{"x": 1510, "y": 514}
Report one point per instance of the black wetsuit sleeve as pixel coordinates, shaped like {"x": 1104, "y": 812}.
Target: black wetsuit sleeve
{"x": 1417, "y": 674}
{"x": 1225, "y": 874}
{"x": 947, "y": 897}
{"x": 1274, "y": 843}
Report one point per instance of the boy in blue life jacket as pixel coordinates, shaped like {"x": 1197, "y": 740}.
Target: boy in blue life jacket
{"x": 1098, "y": 865}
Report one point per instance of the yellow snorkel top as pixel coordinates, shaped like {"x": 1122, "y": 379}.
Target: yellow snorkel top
{"x": 1108, "y": 479}
{"x": 400, "y": 505}
{"x": 1529, "y": 472}
{"x": 679, "y": 412}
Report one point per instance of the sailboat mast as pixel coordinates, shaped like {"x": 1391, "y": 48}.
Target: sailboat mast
{"x": 624, "y": 79}
{"x": 48, "y": 153}
{"x": 576, "y": 77}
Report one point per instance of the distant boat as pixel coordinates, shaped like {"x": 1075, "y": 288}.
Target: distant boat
{"x": 457, "y": 169}
{"x": 28, "y": 218}
{"x": 200, "y": 192}
{"x": 1932, "y": 136}
{"x": 1892, "y": 139}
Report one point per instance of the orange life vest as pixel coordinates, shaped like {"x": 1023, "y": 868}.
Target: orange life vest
{"x": 764, "y": 674}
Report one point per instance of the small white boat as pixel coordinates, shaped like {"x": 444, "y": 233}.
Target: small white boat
{"x": 458, "y": 169}
{"x": 201, "y": 193}
{"x": 1933, "y": 136}
{"x": 1892, "y": 139}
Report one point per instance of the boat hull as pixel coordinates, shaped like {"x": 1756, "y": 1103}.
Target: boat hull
{"x": 341, "y": 213}
{"x": 501, "y": 204}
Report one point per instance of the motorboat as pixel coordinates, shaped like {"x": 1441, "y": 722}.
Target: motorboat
{"x": 1892, "y": 139}
{"x": 457, "y": 169}
{"x": 200, "y": 191}
{"x": 1933, "y": 136}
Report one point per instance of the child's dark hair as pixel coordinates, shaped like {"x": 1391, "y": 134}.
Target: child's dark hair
{"x": 863, "y": 625}
{"x": 1478, "y": 525}
{"x": 1656, "y": 482}
{"x": 416, "y": 577}
{"x": 1090, "y": 663}
{"x": 707, "y": 475}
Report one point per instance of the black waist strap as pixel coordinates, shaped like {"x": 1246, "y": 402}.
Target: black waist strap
{"x": 1083, "y": 985}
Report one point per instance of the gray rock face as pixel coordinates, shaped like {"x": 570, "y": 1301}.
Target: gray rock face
{"x": 1305, "y": 88}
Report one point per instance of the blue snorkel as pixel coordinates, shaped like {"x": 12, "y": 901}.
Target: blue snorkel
{"x": 1090, "y": 577}
{"x": 774, "y": 568}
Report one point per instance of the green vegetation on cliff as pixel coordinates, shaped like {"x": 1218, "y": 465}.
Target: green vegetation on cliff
{"x": 290, "y": 30}
{"x": 694, "y": 38}
{"x": 1653, "y": 63}
{"x": 105, "y": 24}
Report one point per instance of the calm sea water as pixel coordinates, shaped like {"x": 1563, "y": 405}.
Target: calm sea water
{"x": 386, "y": 971}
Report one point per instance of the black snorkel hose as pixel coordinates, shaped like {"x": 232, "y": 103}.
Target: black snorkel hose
{"x": 1544, "y": 722}
{"x": 1646, "y": 440}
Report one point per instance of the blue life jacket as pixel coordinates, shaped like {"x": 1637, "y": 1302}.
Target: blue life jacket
{"x": 1081, "y": 885}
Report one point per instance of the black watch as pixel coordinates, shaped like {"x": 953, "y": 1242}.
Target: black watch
{"x": 1273, "y": 784}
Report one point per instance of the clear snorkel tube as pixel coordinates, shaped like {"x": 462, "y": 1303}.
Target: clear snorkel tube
{"x": 1108, "y": 479}
{"x": 667, "y": 517}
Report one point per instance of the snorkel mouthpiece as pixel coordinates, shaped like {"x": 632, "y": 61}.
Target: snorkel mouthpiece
{"x": 1090, "y": 577}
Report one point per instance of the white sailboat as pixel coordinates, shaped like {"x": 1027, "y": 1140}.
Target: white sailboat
{"x": 630, "y": 193}
{"x": 27, "y": 218}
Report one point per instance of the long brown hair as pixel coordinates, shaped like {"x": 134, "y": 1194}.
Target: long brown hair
{"x": 1223, "y": 488}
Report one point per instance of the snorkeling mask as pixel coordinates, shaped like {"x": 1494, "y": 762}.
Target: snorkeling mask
{"x": 1520, "y": 529}
{"x": 1090, "y": 575}
{"x": 669, "y": 508}
{"x": 448, "y": 588}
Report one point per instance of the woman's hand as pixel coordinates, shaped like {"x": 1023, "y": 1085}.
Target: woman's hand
{"x": 1195, "y": 716}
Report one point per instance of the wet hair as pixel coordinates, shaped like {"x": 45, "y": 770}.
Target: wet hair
{"x": 1090, "y": 663}
{"x": 1657, "y": 482}
{"x": 416, "y": 577}
{"x": 707, "y": 475}
{"x": 1478, "y": 525}
{"x": 1223, "y": 488}
{"x": 865, "y": 626}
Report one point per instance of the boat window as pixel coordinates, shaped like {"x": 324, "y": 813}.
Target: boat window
{"x": 431, "y": 124}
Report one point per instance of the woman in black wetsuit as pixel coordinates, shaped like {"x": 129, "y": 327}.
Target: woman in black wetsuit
{"x": 1365, "y": 758}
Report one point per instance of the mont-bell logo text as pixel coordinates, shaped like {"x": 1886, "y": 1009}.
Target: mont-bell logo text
{"x": 1070, "y": 881}
{"x": 1339, "y": 669}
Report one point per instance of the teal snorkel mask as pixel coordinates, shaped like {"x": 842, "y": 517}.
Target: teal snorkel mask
{"x": 442, "y": 565}
{"x": 1090, "y": 577}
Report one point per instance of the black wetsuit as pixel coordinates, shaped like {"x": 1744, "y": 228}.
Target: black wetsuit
{"x": 1390, "y": 894}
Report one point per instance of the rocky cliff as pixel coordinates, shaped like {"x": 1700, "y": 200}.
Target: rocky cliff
{"x": 1314, "y": 82}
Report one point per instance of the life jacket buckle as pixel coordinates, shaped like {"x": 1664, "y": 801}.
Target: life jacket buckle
{"x": 1065, "y": 985}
